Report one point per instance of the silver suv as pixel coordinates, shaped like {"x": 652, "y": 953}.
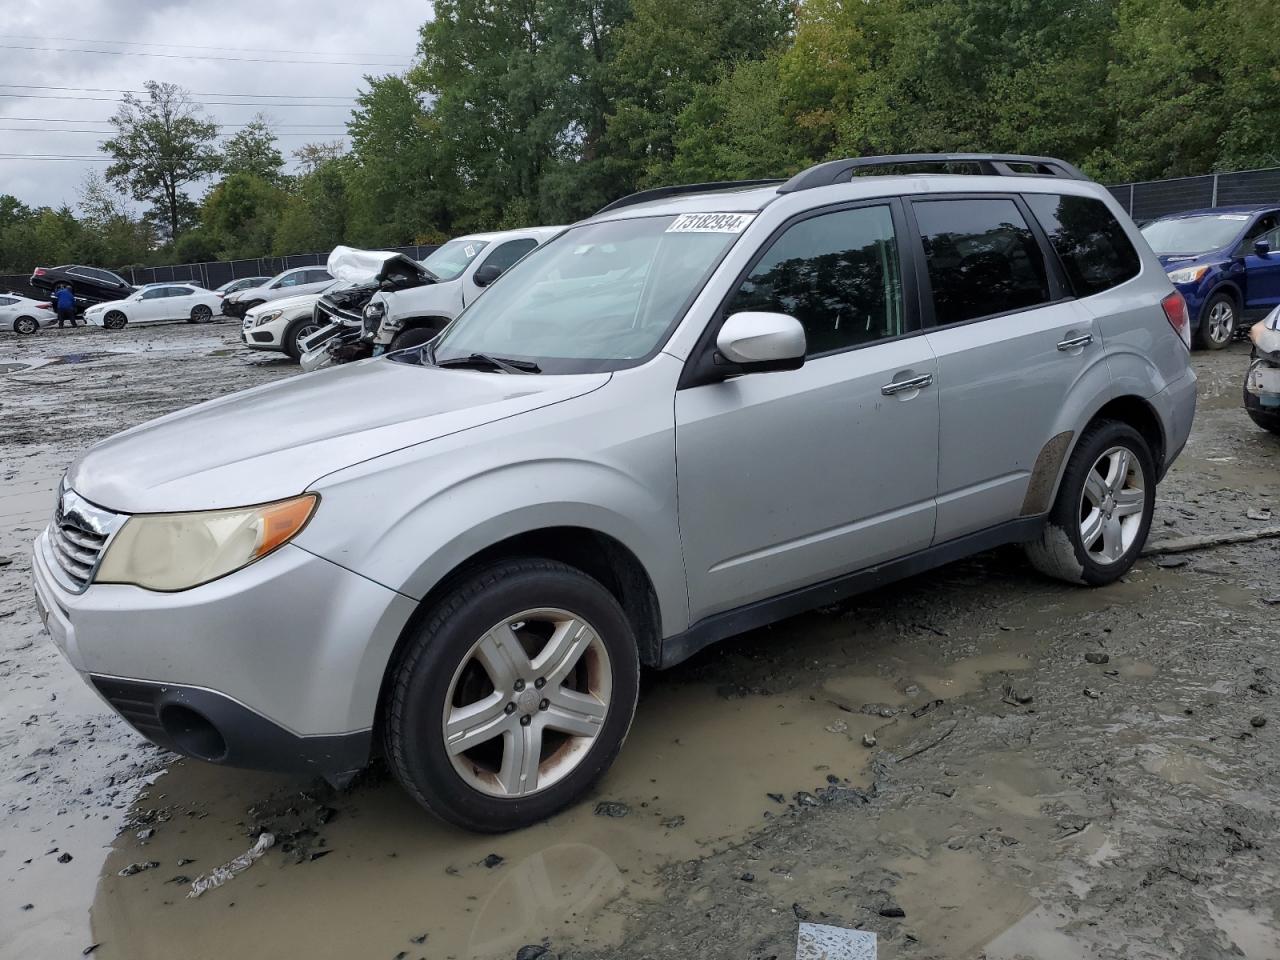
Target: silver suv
{"x": 697, "y": 412}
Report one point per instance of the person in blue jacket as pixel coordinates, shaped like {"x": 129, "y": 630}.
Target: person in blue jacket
{"x": 65, "y": 303}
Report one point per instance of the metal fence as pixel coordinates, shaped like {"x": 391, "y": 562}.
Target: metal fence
{"x": 1157, "y": 198}
{"x": 209, "y": 275}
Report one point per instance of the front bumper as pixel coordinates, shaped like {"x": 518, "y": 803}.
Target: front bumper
{"x": 265, "y": 337}
{"x": 277, "y": 666}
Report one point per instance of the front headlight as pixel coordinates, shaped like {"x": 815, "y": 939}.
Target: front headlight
{"x": 376, "y": 310}
{"x": 1188, "y": 274}
{"x": 177, "y": 551}
{"x": 267, "y": 317}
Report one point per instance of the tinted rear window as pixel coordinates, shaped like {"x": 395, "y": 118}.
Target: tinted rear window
{"x": 1089, "y": 241}
{"x": 983, "y": 258}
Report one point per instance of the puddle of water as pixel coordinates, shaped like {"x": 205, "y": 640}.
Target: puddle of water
{"x": 1254, "y": 932}
{"x": 395, "y": 873}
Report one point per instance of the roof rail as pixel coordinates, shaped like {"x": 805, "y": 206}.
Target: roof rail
{"x": 990, "y": 164}
{"x": 661, "y": 193}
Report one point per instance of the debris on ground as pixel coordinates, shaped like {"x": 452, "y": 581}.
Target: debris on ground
{"x": 1258, "y": 721}
{"x": 136, "y": 868}
{"x": 220, "y": 875}
{"x": 868, "y": 740}
{"x": 1094, "y": 656}
{"x": 492, "y": 860}
{"x": 611, "y": 808}
{"x": 818, "y": 941}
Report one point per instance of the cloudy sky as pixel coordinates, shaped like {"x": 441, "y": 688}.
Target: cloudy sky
{"x": 214, "y": 48}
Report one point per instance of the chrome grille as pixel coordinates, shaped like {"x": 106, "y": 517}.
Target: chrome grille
{"x": 77, "y": 537}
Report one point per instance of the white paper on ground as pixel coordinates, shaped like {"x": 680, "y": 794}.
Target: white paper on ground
{"x": 818, "y": 941}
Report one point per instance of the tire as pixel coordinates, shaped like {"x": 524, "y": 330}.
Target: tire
{"x": 115, "y": 320}
{"x": 1062, "y": 550}
{"x": 413, "y": 338}
{"x": 1265, "y": 418}
{"x": 26, "y": 326}
{"x": 201, "y": 313}
{"x": 440, "y": 670}
{"x": 246, "y": 307}
{"x": 1218, "y": 322}
{"x": 295, "y": 333}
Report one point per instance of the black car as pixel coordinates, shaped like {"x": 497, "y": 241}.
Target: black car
{"x": 88, "y": 284}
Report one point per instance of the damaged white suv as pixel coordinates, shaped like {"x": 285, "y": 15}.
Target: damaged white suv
{"x": 699, "y": 411}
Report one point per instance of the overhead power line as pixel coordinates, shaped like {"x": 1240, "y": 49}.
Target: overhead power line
{"x": 210, "y": 103}
{"x": 279, "y": 96}
{"x": 199, "y": 46}
{"x": 196, "y": 56}
{"x": 52, "y": 156}
{"x": 273, "y": 126}
{"x": 329, "y": 132}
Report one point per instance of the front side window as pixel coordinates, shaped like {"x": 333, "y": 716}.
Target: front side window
{"x": 983, "y": 259}
{"x": 450, "y": 260}
{"x": 506, "y": 254}
{"x": 290, "y": 280}
{"x": 836, "y": 273}
{"x": 1089, "y": 241}
{"x": 154, "y": 293}
{"x": 601, "y": 296}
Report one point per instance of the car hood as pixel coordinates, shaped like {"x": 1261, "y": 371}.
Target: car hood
{"x": 248, "y": 293}
{"x": 273, "y": 441}
{"x": 286, "y": 303}
{"x": 361, "y": 266}
{"x": 1176, "y": 261}
{"x": 106, "y": 305}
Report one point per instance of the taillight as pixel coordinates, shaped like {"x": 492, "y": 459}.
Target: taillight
{"x": 45, "y": 306}
{"x": 1175, "y": 308}
{"x": 39, "y": 272}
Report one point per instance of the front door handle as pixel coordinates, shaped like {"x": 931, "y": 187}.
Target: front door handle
{"x": 902, "y": 386}
{"x": 1071, "y": 343}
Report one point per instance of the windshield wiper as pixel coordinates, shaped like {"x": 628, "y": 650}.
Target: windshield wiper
{"x": 498, "y": 363}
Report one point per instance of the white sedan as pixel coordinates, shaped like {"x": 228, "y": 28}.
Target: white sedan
{"x": 173, "y": 301}
{"x": 24, "y": 315}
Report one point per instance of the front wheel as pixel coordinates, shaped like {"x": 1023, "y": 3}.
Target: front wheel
{"x": 26, "y": 326}
{"x": 513, "y": 696}
{"x": 413, "y": 338}
{"x": 1218, "y": 323}
{"x": 1101, "y": 518}
{"x": 115, "y": 320}
{"x": 294, "y": 335}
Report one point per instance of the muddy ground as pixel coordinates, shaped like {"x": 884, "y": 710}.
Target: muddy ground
{"x": 1057, "y": 773}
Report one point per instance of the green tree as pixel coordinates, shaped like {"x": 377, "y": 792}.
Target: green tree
{"x": 161, "y": 145}
{"x": 400, "y": 186}
{"x": 668, "y": 50}
{"x": 242, "y": 213}
{"x": 737, "y": 128}
{"x": 253, "y": 150}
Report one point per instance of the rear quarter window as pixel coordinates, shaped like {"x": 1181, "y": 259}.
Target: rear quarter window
{"x": 1093, "y": 247}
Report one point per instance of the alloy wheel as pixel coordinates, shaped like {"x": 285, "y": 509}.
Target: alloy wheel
{"x": 527, "y": 702}
{"x": 1222, "y": 322}
{"x": 115, "y": 320}
{"x": 201, "y": 314}
{"x": 1112, "y": 504}
{"x": 25, "y": 325}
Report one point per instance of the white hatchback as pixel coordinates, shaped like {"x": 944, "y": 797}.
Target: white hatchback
{"x": 159, "y": 304}
{"x": 23, "y": 315}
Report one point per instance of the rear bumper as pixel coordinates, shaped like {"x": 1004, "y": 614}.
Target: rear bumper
{"x": 1175, "y": 405}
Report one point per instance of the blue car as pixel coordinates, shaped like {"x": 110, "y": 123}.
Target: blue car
{"x": 1225, "y": 262}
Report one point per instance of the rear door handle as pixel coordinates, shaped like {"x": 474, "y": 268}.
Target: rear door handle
{"x": 1072, "y": 342}
{"x": 902, "y": 386}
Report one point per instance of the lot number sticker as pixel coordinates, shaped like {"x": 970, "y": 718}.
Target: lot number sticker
{"x": 711, "y": 223}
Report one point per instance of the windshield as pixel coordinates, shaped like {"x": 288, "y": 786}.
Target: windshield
{"x": 599, "y": 297}
{"x": 449, "y": 261}
{"x": 1194, "y": 235}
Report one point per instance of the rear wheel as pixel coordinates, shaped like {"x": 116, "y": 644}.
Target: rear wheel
{"x": 1217, "y": 323}
{"x": 26, "y": 325}
{"x": 298, "y": 331}
{"x": 513, "y": 696}
{"x": 413, "y": 338}
{"x": 1102, "y": 516}
{"x": 201, "y": 313}
{"x": 115, "y": 320}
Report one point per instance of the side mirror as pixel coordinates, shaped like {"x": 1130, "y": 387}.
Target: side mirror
{"x": 1262, "y": 248}
{"x": 486, "y": 274}
{"x": 760, "y": 342}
